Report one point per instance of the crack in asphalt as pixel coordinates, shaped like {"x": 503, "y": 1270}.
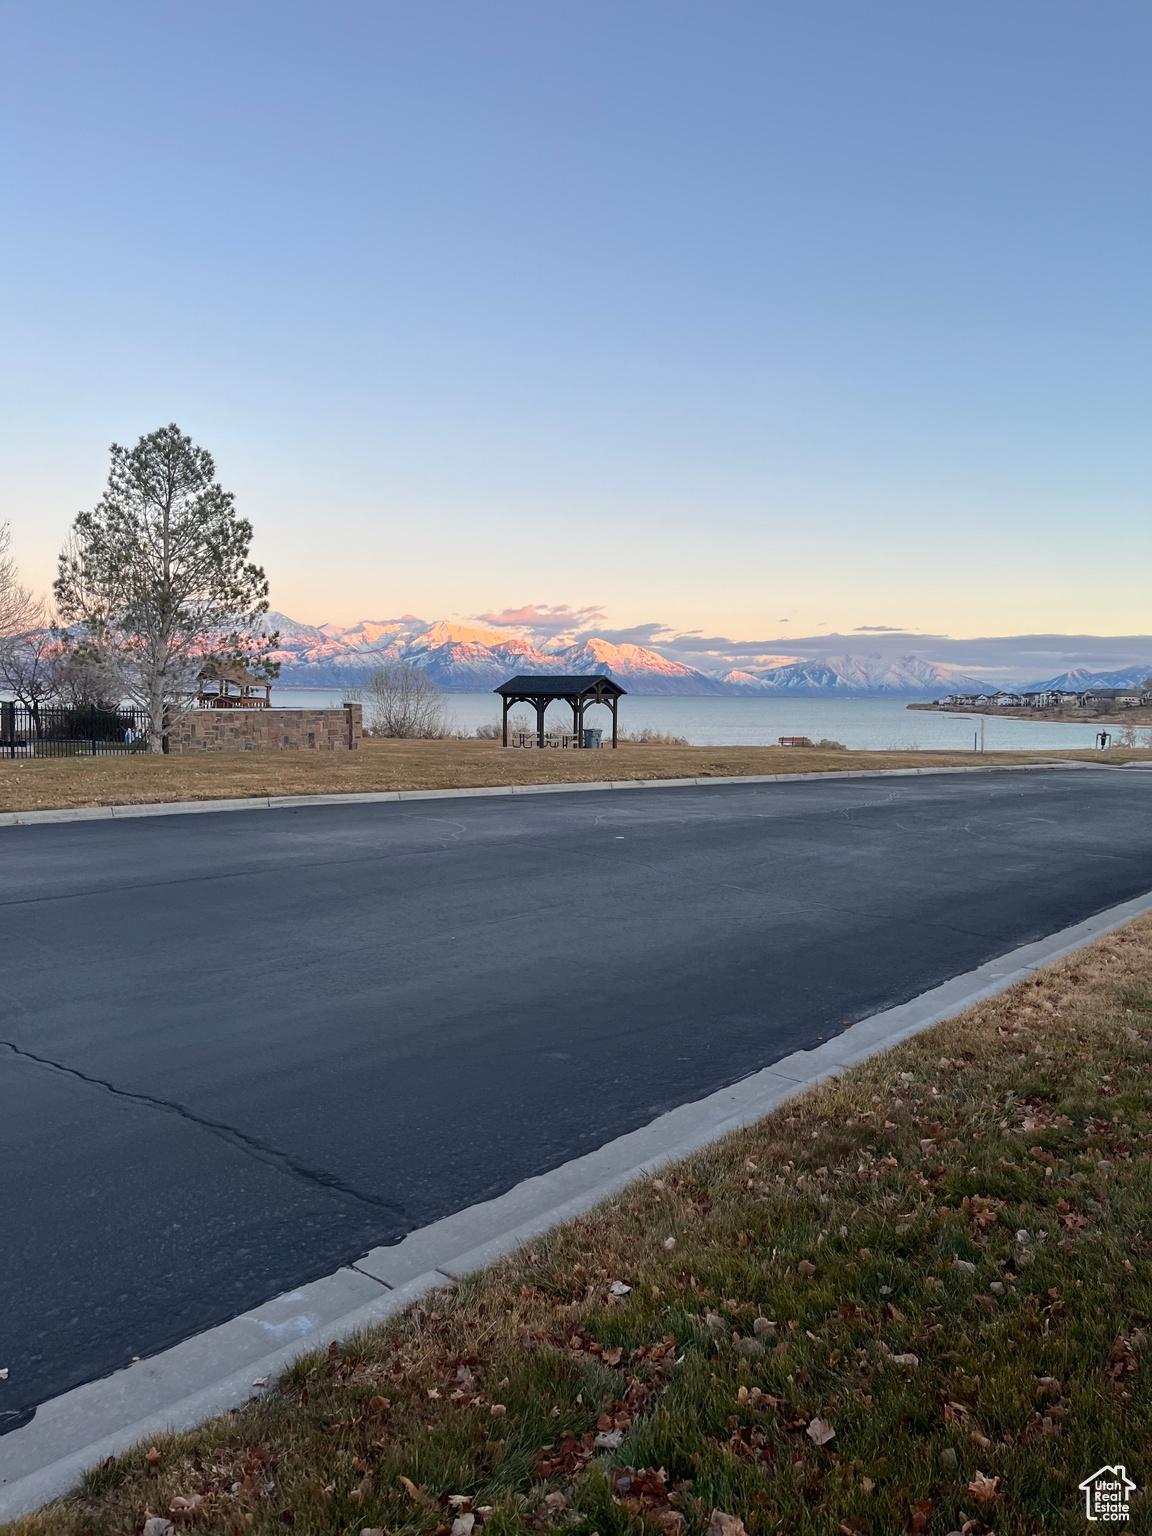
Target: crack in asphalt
{"x": 250, "y": 1145}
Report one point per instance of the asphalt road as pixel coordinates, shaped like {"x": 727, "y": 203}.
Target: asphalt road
{"x": 241, "y": 1049}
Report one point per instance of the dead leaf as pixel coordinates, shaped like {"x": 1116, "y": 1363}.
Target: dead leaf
{"x": 497, "y": 1410}
{"x": 157, "y": 1526}
{"x": 919, "y": 1516}
{"x": 894, "y": 1314}
{"x": 152, "y": 1456}
{"x": 820, "y": 1432}
{"x": 722, "y": 1524}
{"x": 417, "y": 1495}
{"x": 806, "y": 1269}
{"x": 985, "y": 1490}
{"x": 909, "y": 1360}
{"x": 462, "y": 1525}
{"x": 618, "y": 1288}
{"x": 853, "y": 1525}
{"x": 186, "y": 1506}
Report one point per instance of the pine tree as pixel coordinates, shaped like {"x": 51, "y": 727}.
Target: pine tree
{"x": 157, "y": 577}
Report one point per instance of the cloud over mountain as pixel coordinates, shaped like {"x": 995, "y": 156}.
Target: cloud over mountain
{"x": 545, "y": 618}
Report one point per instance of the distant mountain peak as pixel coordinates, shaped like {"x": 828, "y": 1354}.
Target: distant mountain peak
{"x": 1080, "y": 678}
{"x": 466, "y": 658}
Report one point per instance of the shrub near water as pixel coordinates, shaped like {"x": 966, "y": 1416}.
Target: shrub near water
{"x": 918, "y": 1300}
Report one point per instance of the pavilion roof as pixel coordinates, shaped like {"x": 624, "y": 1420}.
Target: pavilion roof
{"x": 540, "y": 686}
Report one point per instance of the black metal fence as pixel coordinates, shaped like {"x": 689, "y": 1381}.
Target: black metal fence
{"x": 53, "y": 731}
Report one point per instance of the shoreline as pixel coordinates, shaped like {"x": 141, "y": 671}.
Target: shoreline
{"x": 1141, "y": 719}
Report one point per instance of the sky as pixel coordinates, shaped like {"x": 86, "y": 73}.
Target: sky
{"x": 733, "y": 318}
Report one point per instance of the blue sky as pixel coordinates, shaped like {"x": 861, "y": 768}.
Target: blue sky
{"x": 751, "y": 318}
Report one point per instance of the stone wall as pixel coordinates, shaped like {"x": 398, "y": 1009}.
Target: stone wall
{"x": 268, "y": 730}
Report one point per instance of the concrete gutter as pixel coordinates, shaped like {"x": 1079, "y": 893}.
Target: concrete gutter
{"x": 224, "y": 1366}
{"x": 384, "y": 796}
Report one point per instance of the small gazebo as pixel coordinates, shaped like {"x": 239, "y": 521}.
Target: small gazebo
{"x": 233, "y": 687}
{"x": 579, "y": 692}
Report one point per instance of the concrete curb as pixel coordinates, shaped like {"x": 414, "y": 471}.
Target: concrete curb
{"x": 385, "y": 796}
{"x": 218, "y": 1369}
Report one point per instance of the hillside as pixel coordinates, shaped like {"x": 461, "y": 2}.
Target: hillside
{"x": 855, "y": 677}
{"x": 463, "y": 659}
{"x": 1079, "y": 680}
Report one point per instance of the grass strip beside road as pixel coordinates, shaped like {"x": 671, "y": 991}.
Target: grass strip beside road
{"x": 914, "y": 1299}
{"x": 70, "y": 782}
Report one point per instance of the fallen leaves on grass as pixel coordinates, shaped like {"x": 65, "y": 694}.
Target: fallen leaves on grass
{"x": 645, "y": 1492}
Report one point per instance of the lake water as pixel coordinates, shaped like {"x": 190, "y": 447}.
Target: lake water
{"x": 861, "y": 723}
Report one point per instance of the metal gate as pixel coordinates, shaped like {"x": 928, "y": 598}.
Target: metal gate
{"x": 59, "y": 731}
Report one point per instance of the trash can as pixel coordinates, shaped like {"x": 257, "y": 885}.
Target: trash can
{"x": 592, "y": 737}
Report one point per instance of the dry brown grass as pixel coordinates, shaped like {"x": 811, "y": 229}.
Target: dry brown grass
{"x": 918, "y": 1299}
{"x": 53, "y": 783}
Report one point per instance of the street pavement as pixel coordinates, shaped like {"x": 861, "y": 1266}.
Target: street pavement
{"x": 241, "y": 1049}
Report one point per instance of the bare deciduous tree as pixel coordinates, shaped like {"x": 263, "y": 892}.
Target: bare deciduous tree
{"x": 30, "y": 668}
{"x": 493, "y": 730}
{"x": 19, "y": 610}
{"x": 401, "y": 700}
{"x": 28, "y": 650}
{"x": 158, "y": 579}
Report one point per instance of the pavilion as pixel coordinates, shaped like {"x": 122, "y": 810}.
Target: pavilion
{"x": 579, "y": 692}
{"x": 233, "y": 687}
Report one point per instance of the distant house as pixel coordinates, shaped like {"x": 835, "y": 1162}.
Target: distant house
{"x": 1119, "y": 698}
{"x": 1003, "y": 700}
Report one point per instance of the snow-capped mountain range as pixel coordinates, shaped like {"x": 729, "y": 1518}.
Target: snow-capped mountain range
{"x": 462, "y": 659}
{"x": 1077, "y": 681}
